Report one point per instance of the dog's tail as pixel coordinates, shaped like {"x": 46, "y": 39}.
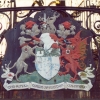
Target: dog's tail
{"x": 13, "y": 66}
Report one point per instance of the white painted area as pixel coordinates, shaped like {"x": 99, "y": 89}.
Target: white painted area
{"x": 47, "y": 67}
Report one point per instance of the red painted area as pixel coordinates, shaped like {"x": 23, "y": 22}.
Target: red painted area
{"x": 29, "y": 24}
{"x": 66, "y": 24}
{"x": 77, "y": 51}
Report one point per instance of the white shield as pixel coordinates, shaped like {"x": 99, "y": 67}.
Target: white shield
{"x": 47, "y": 67}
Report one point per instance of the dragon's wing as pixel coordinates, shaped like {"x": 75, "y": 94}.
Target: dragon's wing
{"x": 75, "y": 39}
{"x": 79, "y": 52}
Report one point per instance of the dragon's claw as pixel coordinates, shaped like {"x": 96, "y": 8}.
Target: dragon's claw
{"x": 73, "y": 79}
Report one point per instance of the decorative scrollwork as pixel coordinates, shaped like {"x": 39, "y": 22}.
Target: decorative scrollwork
{"x": 97, "y": 25}
{"x": 5, "y": 3}
{"x": 76, "y": 14}
{"x": 21, "y": 14}
{"x": 6, "y": 18}
{"x": 0, "y": 26}
{"x": 54, "y": 2}
{"x": 3, "y": 29}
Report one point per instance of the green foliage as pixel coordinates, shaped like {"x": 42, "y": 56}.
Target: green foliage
{"x": 35, "y": 77}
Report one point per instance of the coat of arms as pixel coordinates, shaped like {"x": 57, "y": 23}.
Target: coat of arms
{"x": 48, "y": 52}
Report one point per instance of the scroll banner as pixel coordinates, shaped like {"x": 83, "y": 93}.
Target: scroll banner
{"x": 44, "y": 87}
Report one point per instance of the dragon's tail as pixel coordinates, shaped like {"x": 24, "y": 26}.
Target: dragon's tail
{"x": 78, "y": 66}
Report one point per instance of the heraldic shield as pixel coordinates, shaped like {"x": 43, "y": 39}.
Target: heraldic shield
{"x": 49, "y": 51}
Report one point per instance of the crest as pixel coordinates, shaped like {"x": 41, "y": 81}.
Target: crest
{"x": 48, "y": 52}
